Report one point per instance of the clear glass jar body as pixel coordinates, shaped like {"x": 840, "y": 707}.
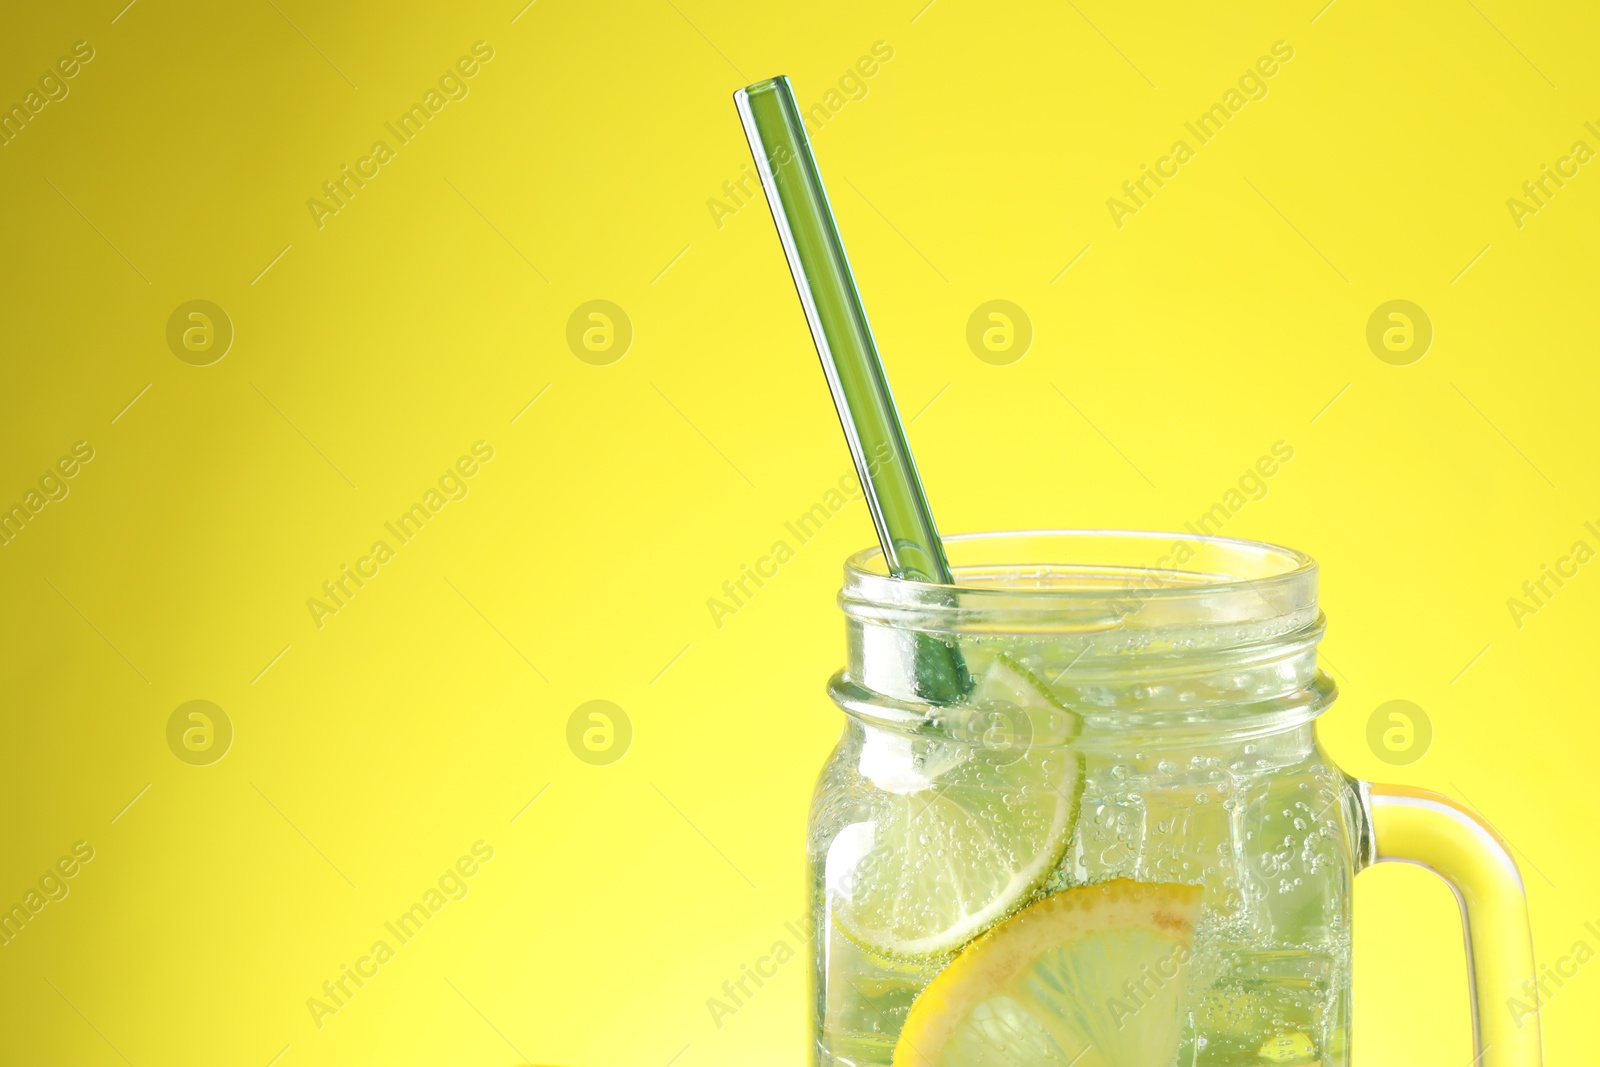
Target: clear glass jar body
{"x": 1192, "y": 665}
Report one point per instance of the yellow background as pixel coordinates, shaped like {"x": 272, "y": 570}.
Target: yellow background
{"x": 370, "y": 753}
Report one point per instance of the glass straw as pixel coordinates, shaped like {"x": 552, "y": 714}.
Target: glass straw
{"x": 867, "y": 413}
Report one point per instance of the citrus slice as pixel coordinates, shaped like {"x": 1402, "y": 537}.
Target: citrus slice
{"x": 1295, "y": 1048}
{"x": 1007, "y": 685}
{"x": 957, "y": 833}
{"x": 1091, "y": 976}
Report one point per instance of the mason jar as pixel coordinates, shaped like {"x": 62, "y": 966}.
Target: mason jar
{"x": 1136, "y": 709}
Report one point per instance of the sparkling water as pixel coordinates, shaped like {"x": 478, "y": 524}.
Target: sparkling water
{"x": 1235, "y": 797}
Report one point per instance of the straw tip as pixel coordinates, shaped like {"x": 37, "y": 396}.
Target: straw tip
{"x": 779, "y": 83}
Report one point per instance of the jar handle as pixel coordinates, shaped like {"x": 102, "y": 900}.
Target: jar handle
{"x": 1422, "y": 827}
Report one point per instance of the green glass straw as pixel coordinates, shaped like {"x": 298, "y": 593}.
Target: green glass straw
{"x": 827, "y": 288}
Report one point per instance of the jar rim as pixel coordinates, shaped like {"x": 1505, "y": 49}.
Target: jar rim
{"x": 1055, "y": 579}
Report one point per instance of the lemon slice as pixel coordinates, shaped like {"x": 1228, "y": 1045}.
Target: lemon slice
{"x": 957, "y": 834}
{"x": 1092, "y": 976}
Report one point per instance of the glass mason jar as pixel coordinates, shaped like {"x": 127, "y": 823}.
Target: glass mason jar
{"x": 1153, "y": 721}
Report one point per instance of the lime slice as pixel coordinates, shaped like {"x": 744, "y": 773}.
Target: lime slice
{"x": 1011, "y": 698}
{"x": 957, "y": 834}
{"x": 1091, "y": 976}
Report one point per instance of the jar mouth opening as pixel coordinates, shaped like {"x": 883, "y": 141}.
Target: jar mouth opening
{"x": 1077, "y": 580}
